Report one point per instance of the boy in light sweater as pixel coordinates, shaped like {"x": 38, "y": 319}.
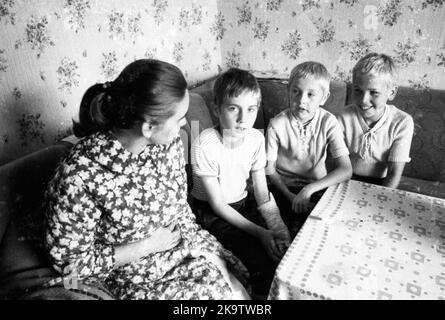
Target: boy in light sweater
{"x": 377, "y": 134}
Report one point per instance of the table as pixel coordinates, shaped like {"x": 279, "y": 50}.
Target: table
{"x": 364, "y": 241}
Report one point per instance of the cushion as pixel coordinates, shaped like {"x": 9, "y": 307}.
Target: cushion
{"x": 429, "y": 188}
{"x": 205, "y": 90}
{"x": 199, "y": 115}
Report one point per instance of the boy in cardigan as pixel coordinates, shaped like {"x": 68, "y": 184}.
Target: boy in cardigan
{"x": 377, "y": 134}
{"x": 298, "y": 140}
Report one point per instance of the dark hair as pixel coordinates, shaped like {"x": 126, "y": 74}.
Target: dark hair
{"x": 145, "y": 87}
{"x": 232, "y": 83}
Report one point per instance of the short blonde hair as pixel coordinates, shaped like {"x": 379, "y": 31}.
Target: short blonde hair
{"x": 310, "y": 69}
{"x": 376, "y": 64}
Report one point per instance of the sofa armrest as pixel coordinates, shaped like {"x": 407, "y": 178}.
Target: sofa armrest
{"x": 22, "y": 186}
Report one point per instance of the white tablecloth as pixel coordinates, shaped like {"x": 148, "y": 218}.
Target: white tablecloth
{"x": 364, "y": 241}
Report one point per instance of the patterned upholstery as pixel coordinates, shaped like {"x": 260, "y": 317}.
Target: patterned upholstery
{"x": 427, "y": 107}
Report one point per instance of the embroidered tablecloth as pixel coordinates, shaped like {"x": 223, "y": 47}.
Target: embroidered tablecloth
{"x": 364, "y": 241}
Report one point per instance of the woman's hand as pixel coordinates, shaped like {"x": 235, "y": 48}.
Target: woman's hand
{"x": 267, "y": 238}
{"x": 164, "y": 239}
{"x": 161, "y": 239}
{"x": 302, "y": 201}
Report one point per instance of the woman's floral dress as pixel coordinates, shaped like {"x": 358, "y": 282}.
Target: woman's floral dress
{"x": 103, "y": 195}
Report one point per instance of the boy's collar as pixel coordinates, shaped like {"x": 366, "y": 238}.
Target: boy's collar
{"x": 305, "y": 124}
{"x": 227, "y": 142}
{"x": 377, "y": 125}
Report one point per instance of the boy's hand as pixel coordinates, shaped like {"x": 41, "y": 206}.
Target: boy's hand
{"x": 267, "y": 239}
{"x": 302, "y": 201}
{"x": 282, "y": 241}
{"x": 271, "y": 215}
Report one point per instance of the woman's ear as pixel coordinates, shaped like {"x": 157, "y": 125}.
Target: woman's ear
{"x": 147, "y": 129}
{"x": 216, "y": 109}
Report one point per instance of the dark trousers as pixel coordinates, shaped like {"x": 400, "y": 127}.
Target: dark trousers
{"x": 246, "y": 247}
{"x": 294, "y": 221}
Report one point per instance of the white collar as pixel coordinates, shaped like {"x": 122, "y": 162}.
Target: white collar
{"x": 378, "y": 124}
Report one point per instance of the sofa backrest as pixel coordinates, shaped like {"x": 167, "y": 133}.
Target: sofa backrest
{"x": 274, "y": 100}
{"x": 427, "y": 107}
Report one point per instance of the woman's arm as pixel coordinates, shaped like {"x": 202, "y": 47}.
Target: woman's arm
{"x": 161, "y": 239}
{"x": 72, "y": 239}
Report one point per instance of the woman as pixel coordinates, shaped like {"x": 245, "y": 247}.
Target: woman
{"x": 117, "y": 209}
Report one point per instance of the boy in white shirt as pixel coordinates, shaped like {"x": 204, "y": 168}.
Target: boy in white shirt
{"x": 223, "y": 159}
{"x": 298, "y": 140}
{"x": 377, "y": 134}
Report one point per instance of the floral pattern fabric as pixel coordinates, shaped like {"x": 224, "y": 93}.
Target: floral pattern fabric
{"x": 103, "y": 196}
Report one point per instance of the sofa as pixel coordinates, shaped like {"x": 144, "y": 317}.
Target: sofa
{"x": 24, "y": 267}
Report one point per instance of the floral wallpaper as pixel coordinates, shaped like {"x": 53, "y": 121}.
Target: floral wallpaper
{"x": 51, "y": 51}
{"x": 274, "y": 35}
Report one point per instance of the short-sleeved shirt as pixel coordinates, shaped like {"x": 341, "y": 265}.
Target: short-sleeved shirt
{"x": 232, "y": 166}
{"x": 300, "y": 150}
{"x": 371, "y": 149}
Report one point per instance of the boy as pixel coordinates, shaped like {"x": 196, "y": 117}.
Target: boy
{"x": 377, "y": 134}
{"x": 223, "y": 159}
{"x": 297, "y": 142}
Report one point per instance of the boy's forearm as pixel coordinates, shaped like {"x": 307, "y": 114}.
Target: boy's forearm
{"x": 337, "y": 175}
{"x": 277, "y": 182}
{"x": 233, "y": 217}
{"x": 395, "y": 170}
{"x": 260, "y": 189}
{"x": 391, "y": 182}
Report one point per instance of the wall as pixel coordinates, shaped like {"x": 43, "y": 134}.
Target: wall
{"x": 275, "y": 35}
{"x": 52, "y": 51}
